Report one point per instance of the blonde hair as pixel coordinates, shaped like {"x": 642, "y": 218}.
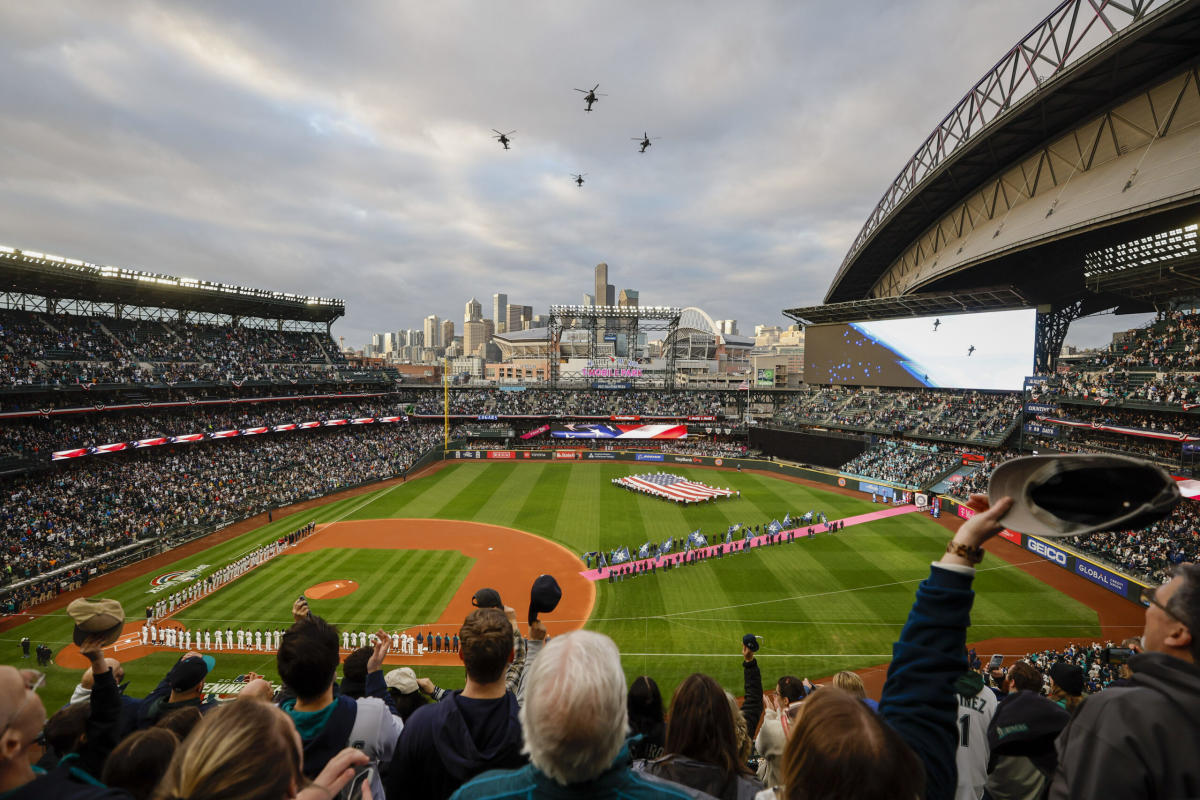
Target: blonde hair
{"x": 851, "y": 683}
{"x": 745, "y": 745}
{"x": 244, "y": 749}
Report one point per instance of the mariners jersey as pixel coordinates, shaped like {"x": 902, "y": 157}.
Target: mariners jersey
{"x": 974, "y": 715}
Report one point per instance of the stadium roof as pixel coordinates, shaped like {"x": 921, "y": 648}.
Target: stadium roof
{"x": 1043, "y": 86}
{"x": 45, "y": 275}
{"x": 913, "y": 305}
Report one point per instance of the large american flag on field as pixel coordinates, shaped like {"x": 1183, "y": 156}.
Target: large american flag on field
{"x": 672, "y": 487}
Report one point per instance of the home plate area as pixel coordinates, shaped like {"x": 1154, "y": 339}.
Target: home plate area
{"x": 675, "y": 488}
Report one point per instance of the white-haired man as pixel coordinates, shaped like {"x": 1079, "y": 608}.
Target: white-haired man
{"x": 574, "y": 721}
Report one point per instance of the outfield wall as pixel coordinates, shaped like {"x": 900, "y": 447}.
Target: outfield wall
{"x": 1121, "y": 585}
{"x": 826, "y": 450}
{"x": 842, "y": 480}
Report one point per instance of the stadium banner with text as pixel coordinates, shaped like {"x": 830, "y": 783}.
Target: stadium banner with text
{"x": 598, "y": 430}
{"x": 544, "y": 454}
{"x": 1097, "y": 574}
{"x": 600, "y": 456}
{"x": 649, "y": 457}
{"x": 501, "y": 454}
{"x": 565, "y": 455}
{"x": 876, "y": 488}
{"x": 538, "y": 431}
{"x": 1041, "y": 429}
{"x": 764, "y": 377}
{"x": 1040, "y": 408}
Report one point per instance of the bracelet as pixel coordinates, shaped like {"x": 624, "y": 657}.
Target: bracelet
{"x": 972, "y": 553}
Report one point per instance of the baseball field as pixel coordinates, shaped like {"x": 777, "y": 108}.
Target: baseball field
{"x": 408, "y": 557}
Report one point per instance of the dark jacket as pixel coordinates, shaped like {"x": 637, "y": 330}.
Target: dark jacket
{"x": 918, "y": 698}
{"x": 752, "y": 704}
{"x": 66, "y": 783}
{"x": 707, "y": 778}
{"x": 1021, "y": 755}
{"x": 1137, "y": 741}
{"x": 618, "y": 781}
{"x": 155, "y": 706}
{"x": 438, "y": 751}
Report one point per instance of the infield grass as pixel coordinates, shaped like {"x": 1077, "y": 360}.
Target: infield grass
{"x": 821, "y": 604}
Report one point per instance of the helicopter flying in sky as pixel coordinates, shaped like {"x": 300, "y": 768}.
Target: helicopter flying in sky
{"x": 645, "y": 141}
{"x": 579, "y": 178}
{"x": 591, "y": 96}
{"x": 502, "y": 138}
{"x": 970, "y": 350}
{"x": 936, "y": 323}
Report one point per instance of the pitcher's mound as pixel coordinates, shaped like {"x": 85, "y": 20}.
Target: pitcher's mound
{"x": 330, "y": 590}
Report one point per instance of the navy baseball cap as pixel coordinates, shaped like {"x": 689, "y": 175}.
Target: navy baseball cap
{"x": 751, "y": 641}
{"x": 487, "y": 598}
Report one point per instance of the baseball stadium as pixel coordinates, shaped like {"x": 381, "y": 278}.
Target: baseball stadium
{"x": 209, "y": 457}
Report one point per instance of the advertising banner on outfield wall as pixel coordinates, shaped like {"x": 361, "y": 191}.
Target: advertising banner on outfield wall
{"x": 601, "y": 456}
{"x": 1109, "y": 580}
{"x": 501, "y": 454}
{"x": 543, "y": 454}
{"x": 565, "y": 455}
{"x": 649, "y": 457}
{"x": 875, "y": 488}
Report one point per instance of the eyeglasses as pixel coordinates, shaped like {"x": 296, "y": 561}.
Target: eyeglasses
{"x": 1150, "y": 598}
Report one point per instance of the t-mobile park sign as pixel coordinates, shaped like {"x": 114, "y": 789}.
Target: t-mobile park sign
{"x": 592, "y": 372}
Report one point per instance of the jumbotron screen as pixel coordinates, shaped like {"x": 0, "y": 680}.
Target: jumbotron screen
{"x": 991, "y": 350}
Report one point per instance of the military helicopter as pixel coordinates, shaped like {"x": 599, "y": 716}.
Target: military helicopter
{"x": 579, "y": 178}
{"x": 645, "y": 141}
{"x": 970, "y": 350}
{"x": 502, "y": 138}
{"x": 591, "y": 96}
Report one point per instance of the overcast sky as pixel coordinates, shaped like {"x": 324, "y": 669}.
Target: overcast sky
{"x": 344, "y": 148}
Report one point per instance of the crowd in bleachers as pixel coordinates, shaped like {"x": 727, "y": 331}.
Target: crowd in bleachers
{"x": 908, "y": 466}
{"x": 1151, "y": 552}
{"x": 579, "y": 403}
{"x": 1088, "y": 657}
{"x": 1158, "y": 364}
{"x": 58, "y": 349}
{"x": 954, "y": 415}
{"x": 100, "y": 503}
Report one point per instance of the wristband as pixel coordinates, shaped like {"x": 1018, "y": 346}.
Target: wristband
{"x": 973, "y": 554}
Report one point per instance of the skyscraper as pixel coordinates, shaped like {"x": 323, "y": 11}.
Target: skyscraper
{"x": 433, "y": 331}
{"x": 628, "y": 299}
{"x": 526, "y": 317}
{"x": 589, "y": 300}
{"x": 473, "y": 337}
{"x": 447, "y": 332}
{"x": 473, "y": 311}
{"x": 601, "y": 283}
{"x": 500, "y": 311}
{"x": 513, "y": 319}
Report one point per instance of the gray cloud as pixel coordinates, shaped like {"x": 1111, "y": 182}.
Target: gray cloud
{"x": 344, "y": 149}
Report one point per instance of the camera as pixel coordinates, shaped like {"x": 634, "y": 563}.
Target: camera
{"x": 1116, "y": 655}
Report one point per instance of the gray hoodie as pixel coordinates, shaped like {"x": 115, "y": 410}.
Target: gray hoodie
{"x": 1135, "y": 741}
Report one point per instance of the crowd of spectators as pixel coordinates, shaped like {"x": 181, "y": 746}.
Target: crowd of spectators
{"x": 58, "y": 349}
{"x": 94, "y": 505}
{"x": 547, "y": 402}
{"x": 1158, "y": 364}
{"x": 1149, "y": 553}
{"x": 1098, "y": 673}
{"x": 967, "y": 416}
{"x": 908, "y": 466}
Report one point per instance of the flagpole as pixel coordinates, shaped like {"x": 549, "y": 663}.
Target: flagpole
{"x": 445, "y": 404}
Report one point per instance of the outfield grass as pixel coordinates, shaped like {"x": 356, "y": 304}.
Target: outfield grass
{"x": 828, "y": 603}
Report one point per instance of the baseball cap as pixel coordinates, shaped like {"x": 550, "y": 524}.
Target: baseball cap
{"x": 751, "y": 641}
{"x": 1069, "y": 677}
{"x": 403, "y": 680}
{"x": 96, "y": 615}
{"x": 543, "y": 596}
{"x": 188, "y": 672}
{"x": 1069, "y": 495}
{"x": 487, "y": 598}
